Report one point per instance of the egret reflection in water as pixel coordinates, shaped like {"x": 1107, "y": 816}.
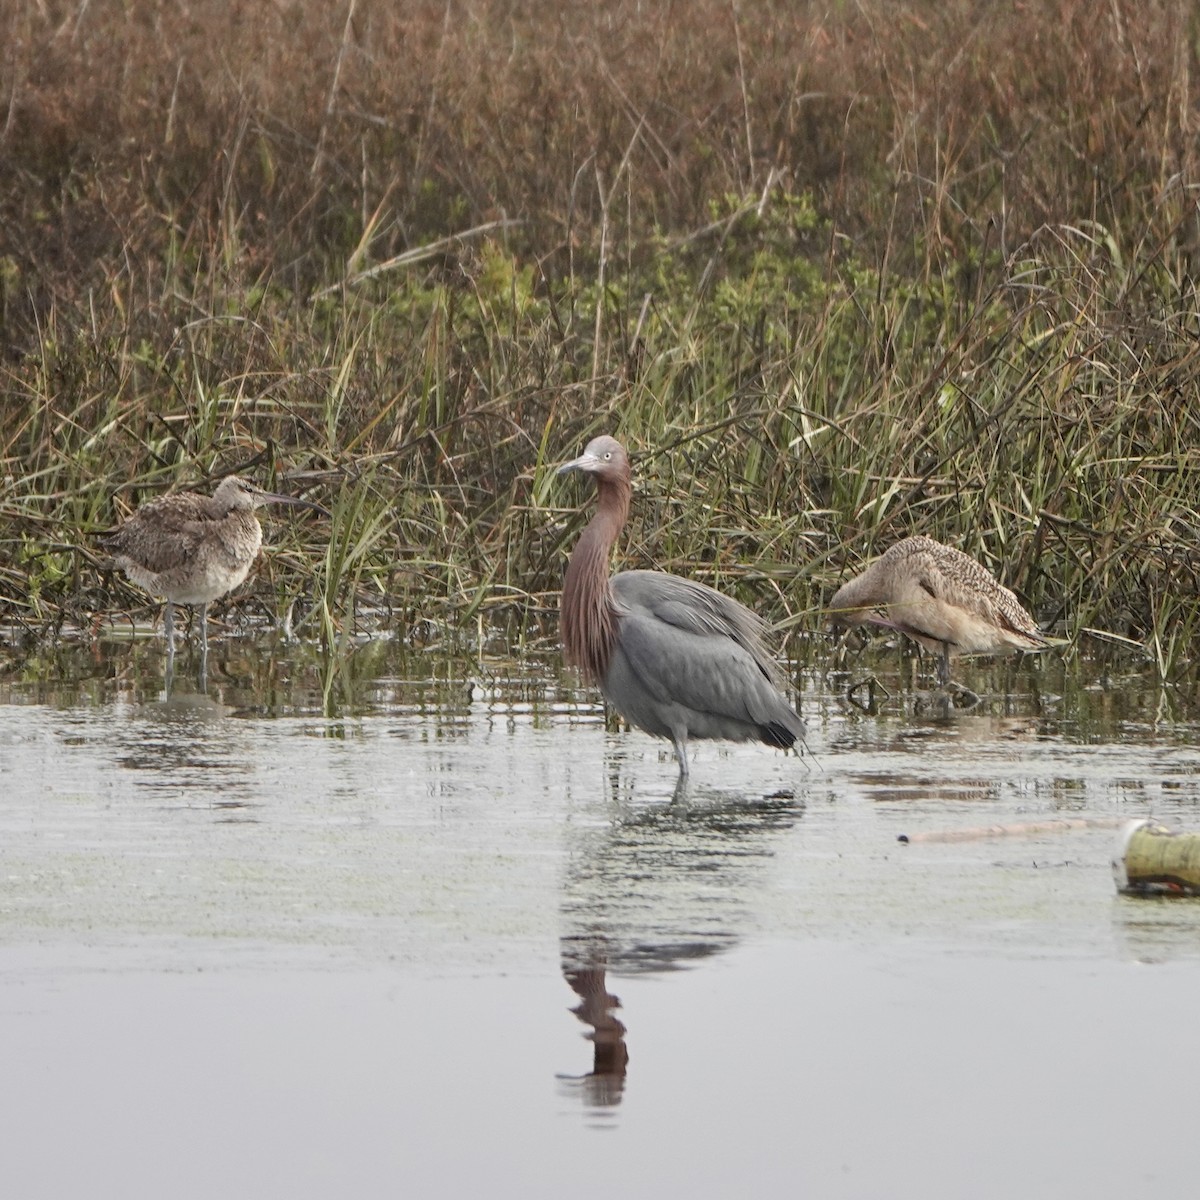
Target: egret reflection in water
{"x": 660, "y": 888}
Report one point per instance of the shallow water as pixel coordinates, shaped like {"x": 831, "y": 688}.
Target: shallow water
{"x": 248, "y": 947}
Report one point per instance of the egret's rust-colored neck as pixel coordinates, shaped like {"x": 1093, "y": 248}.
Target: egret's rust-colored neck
{"x": 589, "y": 614}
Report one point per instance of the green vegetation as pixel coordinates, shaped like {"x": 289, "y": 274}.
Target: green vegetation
{"x": 835, "y": 274}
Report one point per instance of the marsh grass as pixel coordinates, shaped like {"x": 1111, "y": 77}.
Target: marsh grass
{"x": 836, "y": 276}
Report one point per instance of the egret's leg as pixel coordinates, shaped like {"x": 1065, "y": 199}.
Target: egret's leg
{"x": 680, "y": 740}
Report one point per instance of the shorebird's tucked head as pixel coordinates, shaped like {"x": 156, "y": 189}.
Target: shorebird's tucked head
{"x": 856, "y": 602}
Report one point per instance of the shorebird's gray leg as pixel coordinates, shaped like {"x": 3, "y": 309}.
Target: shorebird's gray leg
{"x": 169, "y": 629}
{"x": 204, "y": 630}
{"x": 944, "y": 667}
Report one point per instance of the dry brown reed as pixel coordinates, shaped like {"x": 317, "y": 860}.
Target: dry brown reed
{"x": 842, "y": 272}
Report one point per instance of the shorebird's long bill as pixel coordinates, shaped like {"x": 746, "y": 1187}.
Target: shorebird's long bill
{"x": 292, "y": 501}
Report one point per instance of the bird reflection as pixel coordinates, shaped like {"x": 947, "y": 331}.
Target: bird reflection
{"x": 657, "y": 889}
{"x": 585, "y": 963}
{"x": 202, "y": 674}
{"x": 176, "y": 732}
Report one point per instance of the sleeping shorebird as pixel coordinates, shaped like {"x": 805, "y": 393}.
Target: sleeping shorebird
{"x": 940, "y": 598}
{"x": 191, "y": 549}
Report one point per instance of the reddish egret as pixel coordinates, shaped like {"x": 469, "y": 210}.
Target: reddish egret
{"x": 940, "y": 598}
{"x": 673, "y": 657}
{"x": 192, "y": 548}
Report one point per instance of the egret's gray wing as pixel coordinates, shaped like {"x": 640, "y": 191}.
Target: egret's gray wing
{"x": 687, "y": 644}
{"x": 696, "y": 608}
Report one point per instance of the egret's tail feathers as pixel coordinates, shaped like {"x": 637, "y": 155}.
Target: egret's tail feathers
{"x": 780, "y": 736}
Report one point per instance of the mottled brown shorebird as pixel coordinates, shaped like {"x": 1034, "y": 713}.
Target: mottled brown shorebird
{"x": 942, "y": 599}
{"x": 191, "y": 549}
{"x": 675, "y": 658}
